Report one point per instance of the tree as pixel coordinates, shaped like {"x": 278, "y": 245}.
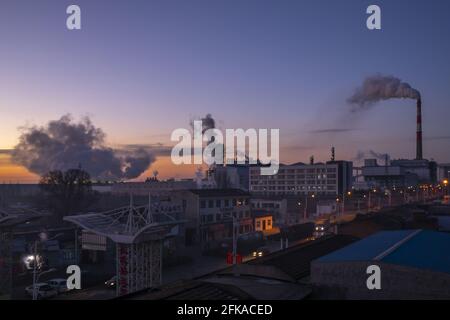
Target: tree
{"x": 67, "y": 192}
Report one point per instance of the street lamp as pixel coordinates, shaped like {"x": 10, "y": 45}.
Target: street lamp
{"x": 42, "y": 238}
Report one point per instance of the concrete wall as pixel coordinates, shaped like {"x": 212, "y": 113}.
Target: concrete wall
{"x": 347, "y": 280}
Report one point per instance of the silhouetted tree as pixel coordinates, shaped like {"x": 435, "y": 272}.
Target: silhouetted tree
{"x": 67, "y": 192}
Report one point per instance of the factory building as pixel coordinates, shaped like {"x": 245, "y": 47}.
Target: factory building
{"x": 426, "y": 170}
{"x": 387, "y": 176}
{"x": 408, "y": 260}
{"x": 398, "y": 173}
{"x": 330, "y": 178}
{"x": 443, "y": 171}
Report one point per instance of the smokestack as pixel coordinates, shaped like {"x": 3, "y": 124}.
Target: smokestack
{"x": 419, "y": 130}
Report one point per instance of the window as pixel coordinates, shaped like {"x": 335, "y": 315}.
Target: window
{"x": 218, "y": 203}
{"x": 234, "y": 202}
{"x": 203, "y": 204}
{"x": 227, "y": 203}
{"x": 210, "y": 204}
{"x": 258, "y": 224}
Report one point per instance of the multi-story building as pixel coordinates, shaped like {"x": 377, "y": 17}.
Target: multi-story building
{"x": 330, "y": 178}
{"x": 209, "y": 214}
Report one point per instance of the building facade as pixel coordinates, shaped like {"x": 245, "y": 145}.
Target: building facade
{"x": 443, "y": 171}
{"x": 330, "y": 178}
{"x": 387, "y": 176}
{"x": 210, "y": 212}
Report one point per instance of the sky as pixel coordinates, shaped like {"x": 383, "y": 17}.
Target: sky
{"x": 140, "y": 69}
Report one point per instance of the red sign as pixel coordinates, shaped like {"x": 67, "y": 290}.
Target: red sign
{"x": 230, "y": 258}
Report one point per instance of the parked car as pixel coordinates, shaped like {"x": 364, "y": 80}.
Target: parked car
{"x": 111, "y": 283}
{"x": 43, "y": 291}
{"x": 260, "y": 252}
{"x": 60, "y": 285}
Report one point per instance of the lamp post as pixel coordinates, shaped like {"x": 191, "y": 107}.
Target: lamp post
{"x": 36, "y": 276}
{"x": 305, "y": 209}
{"x": 349, "y": 193}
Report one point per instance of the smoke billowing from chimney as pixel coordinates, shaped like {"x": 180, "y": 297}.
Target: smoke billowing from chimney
{"x": 377, "y": 88}
{"x": 63, "y": 144}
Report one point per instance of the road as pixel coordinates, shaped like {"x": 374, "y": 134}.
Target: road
{"x": 199, "y": 266}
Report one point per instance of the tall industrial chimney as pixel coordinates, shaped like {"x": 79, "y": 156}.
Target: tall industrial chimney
{"x": 419, "y": 130}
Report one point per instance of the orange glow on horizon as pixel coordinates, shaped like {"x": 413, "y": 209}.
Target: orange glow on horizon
{"x": 12, "y": 173}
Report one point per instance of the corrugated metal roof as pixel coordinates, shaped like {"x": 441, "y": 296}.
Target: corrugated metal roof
{"x": 367, "y": 248}
{"x": 426, "y": 250}
{"x": 421, "y": 249}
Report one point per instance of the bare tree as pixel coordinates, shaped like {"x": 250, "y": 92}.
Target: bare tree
{"x": 67, "y": 192}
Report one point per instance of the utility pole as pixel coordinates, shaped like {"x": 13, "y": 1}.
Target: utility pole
{"x": 305, "y": 212}
{"x": 235, "y": 235}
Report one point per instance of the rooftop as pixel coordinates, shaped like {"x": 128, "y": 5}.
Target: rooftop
{"x": 296, "y": 261}
{"x": 422, "y": 249}
{"x": 220, "y": 192}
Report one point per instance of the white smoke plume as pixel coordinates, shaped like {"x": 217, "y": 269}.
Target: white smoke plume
{"x": 379, "y": 87}
{"x": 64, "y": 144}
{"x": 208, "y": 122}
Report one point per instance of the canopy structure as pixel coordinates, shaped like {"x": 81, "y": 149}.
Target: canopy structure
{"x": 131, "y": 224}
{"x": 11, "y": 216}
{"x": 138, "y": 232}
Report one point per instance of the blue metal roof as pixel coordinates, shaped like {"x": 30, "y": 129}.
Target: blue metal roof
{"x": 367, "y": 248}
{"x": 420, "y": 249}
{"x": 426, "y": 250}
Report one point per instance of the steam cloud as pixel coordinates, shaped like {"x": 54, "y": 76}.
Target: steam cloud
{"x": 208, "y": 122}
{"x": 379, "y": 87}
{"x": 63, "y": 144}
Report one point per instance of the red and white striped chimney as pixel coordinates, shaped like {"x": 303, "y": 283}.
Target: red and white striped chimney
{"x": 419, "y": 130}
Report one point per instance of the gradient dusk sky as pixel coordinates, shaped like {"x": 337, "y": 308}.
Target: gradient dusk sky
{"x": 141, "y": 68}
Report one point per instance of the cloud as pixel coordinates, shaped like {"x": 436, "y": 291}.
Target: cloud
{"x": 333, "y": 130}
{"x": 65, "y": 144}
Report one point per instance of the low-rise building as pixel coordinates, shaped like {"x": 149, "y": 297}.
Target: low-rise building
{"x": 152, "y": 187}
{"x": 263, "y": 220}
{"x": 210, "y": 212}
{"x": 412, "y": 264}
